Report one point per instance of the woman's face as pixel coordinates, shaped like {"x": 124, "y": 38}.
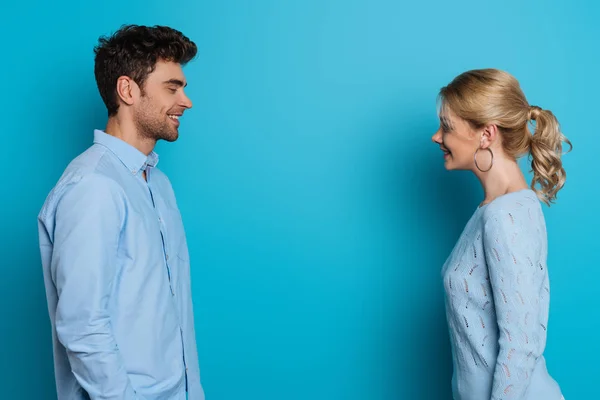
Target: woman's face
{"x": 457, "y": 140}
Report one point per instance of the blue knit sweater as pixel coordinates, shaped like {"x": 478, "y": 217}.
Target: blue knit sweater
{"x": 497, "y": 299}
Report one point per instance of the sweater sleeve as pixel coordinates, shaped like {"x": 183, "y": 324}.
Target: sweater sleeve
{"x": 515, "y": 256}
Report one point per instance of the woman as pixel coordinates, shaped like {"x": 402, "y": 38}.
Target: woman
{"x": 496, "y": 280}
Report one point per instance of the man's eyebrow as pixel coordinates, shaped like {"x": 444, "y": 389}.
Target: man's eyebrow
{"x": 175, "y": 82}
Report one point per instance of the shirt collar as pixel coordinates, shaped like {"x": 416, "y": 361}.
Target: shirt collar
{"x": 131, "y": 157}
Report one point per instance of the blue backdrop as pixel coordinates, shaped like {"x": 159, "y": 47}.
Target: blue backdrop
{"x": 318, "y": 211}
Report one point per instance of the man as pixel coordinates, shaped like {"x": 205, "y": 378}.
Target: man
{"x": 112, "y": 242}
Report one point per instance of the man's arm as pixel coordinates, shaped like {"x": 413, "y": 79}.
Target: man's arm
{"x": 89, "y": 218}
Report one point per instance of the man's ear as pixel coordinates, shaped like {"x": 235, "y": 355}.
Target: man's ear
{"x": 127, "y": 90}
{"x": 489, "y": 135}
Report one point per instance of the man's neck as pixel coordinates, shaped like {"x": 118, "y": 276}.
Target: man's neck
{"x": 127, "y": 132}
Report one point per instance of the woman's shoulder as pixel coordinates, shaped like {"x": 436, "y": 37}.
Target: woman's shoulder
{"x": 519, "y": 207}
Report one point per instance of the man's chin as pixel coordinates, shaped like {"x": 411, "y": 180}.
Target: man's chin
{"x": 170, "y": 137}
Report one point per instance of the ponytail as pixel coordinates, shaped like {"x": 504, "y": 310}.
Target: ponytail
{"x": 546, "y": 152}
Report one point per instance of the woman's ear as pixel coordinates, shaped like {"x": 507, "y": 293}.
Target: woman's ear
{"x": 489, "y": 135}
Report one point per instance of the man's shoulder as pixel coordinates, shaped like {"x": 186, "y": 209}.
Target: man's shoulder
{"x": 85, "y": 169}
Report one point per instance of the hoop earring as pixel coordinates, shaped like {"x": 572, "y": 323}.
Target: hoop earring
{"x": 475, "y": 159}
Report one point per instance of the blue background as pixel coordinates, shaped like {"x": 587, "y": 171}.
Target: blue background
{"x": 317, "y": 209}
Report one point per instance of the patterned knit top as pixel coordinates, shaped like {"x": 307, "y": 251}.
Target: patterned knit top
{"x": 497, "y": 299}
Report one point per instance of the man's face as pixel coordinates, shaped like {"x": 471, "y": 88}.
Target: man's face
{"x": 162, "y": 102}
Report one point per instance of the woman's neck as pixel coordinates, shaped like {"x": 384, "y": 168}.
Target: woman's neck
{"x": 504, "y": 177}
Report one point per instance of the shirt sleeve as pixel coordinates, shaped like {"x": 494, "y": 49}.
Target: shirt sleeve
{"x": 89, "y": 218}
{"x": 515, "y": 259}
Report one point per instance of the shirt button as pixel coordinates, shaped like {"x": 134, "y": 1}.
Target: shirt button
{"x": 167, "y": 257}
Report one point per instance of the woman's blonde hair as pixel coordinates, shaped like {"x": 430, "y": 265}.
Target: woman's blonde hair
{"x": 491, "y": 96}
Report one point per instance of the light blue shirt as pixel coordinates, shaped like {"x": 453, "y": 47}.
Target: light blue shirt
{"x": 117, "y": 277}
{"x": 497, "y": 302}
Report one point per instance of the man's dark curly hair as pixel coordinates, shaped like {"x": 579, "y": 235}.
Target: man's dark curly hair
{"x": 133, "y": 51}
